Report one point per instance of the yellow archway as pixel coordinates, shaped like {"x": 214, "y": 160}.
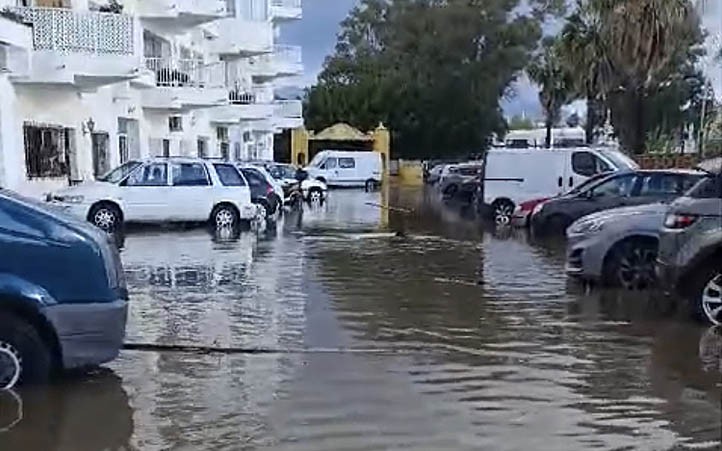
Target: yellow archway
{"x": 379, "y": 140}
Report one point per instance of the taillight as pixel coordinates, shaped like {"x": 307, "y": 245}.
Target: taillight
{"x": 679, "y": 221}
{"x": 269, "y": 189}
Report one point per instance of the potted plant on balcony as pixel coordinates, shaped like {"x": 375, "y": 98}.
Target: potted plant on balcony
{"x": 113, "y": 6}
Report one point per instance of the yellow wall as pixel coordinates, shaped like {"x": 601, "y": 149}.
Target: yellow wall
{"x": 411, "y": 172}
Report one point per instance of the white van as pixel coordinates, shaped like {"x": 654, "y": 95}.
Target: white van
{"x": 346, "y": 168}
{"x": 512, "y": 176}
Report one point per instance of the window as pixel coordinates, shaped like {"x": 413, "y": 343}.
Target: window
{"x": 659, "y": 185}
{"x": 229, "y": 175}
{"x": 175, "y": 123}
{"x": 123, "y": 148}
{"x": 153, "y": 174}
{"x": 46, "y": 151}
{"x": 254, "y": 178}
{"x": 584, "y": 163}
{"x": 709, "y": 188}
{"x": 330, "y": 163}
{"x": 190, "y": 174}
{"x": 166, "y": 148}
{"x": 346, "y": 163}
{"x": 202, "y": 148}
{"x": 616, "y": 186}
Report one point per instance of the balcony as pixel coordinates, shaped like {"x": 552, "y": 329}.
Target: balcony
{"x": 239, "y": 37}
{"x": 288, "y": 114}
{"x": 181, "y": 14}
{"x": 285, "y": 61}
{"x": 286, "y": 10}
{"x": 185, "y": 84}
{"x": 251, "y": 104}
{"x": 88, "y": 49}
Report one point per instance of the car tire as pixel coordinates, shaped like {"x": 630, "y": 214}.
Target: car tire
{"x": 315, "y": 195}
{"x": 371, "y": 185}
{"x": 105, "y": 216}
{"x": 502, "y": 211}
{"x": 24, "y": 357}
{"x": 450, "y": 191}
{"x": 225, "y": 216}
{"x": 267, "y": 213}
{"x": 631, "y": 265}
{"x": 706, "y": 280}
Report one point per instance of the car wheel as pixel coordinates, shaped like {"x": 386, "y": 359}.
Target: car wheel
{"x": 711, "y": 299}
{"x": 24, "y": 356}
{"x": 315, "y": 195}
{"x": 371, "y": 185}
{"x": 450, "y": 191}
{"x": 632, "y": 266}
{"x": 224, "y": 216}
{"x": 264, "y": 209}
{"x": 105, "y": 216}
{"x": 503, "y": 211}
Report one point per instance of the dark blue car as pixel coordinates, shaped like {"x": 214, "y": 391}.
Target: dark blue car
{"x": 63, "y": 298}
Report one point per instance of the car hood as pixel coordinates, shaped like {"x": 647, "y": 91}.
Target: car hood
{"x": 658, "y": 209}
{"x": 86, "y": 189}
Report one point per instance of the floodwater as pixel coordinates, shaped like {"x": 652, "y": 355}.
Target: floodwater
{"x": 352, "y": 338}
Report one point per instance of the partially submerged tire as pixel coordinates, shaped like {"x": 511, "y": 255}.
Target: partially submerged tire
{"x": 502, "y": 211}
{"x": 24, "y": 357}
{"x": 707, "y": 304}
{"x": 315, "y": 195}
{"x": 105, "y": 216}
{"x": 371, "y": 185}
{"x": 631, "y": 265}
{"x": 225, "y": 216}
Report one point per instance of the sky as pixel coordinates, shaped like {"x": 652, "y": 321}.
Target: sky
{"x": 317, "y": 31}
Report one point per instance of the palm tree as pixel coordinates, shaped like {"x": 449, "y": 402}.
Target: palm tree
{"x": 548, "y": 71}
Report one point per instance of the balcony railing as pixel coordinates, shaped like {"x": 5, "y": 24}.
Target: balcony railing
{"x": 250, "y": 96}
{"x": 288, "y": 108}
{"x": 186, "y": 73}
{"x": 71, "y": 31}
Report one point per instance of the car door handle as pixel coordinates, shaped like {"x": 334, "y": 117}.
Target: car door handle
{"x": 560, "y": 182}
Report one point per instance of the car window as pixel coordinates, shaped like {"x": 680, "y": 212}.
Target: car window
{"x": 666, "y": 184}
{"x": 254, "y": 178}
{"x": 330, "y": 163}
{"x": 119, "y": 173}
{"x": 229, "y": 175}
{"x": 617, "y": 186}
{"x": 152, "y": 174}
{"x": 469, "y": 171}
{"x": 189, "y": 174}
{"x": 346, "y": 163}
{"x": 584, "y": 163}
{"x": 709, "y": 187}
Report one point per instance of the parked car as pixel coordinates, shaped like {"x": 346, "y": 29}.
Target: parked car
{"x": 162, "y": 190}
{"x": 616, "y": 190}
{"x": 524, "y": 210}
{"x": 690, "y": 248}
{"x": 263, "y": 193}
{"x": 313, "y": 190}
{"x": 512, "y": 176}
{"x": 347, "y": 168}
{"x": 434, "y": 174}
{"x": 457, "y": 175}
{"x": 63, "y": 297}
{"x": 617, "y": 247}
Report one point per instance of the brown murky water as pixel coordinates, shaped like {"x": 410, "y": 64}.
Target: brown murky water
{"x": 447, "y": 338}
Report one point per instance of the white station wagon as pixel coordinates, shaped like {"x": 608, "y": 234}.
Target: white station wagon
{"x": 162, "y": 190}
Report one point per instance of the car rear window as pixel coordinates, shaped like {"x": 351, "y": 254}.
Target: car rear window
{"x": 229, "y": 175}
{"x": 708, "y": 188}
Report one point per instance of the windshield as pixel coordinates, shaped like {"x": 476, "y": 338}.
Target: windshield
{"x": 620, "y": 160}
{"x": 281, "y": 172}
{"x": 119, "y": 173}
{"x": 318, "y": 160}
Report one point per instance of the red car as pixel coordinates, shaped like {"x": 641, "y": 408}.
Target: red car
{"x": 524, "y": 210}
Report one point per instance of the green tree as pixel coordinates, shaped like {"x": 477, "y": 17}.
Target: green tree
{"x": 432, "y": 70}
{"x": 518, "y": 122}
{"x": 547, "y": 69}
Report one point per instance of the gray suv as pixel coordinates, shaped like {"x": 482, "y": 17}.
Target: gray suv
{"x": 689, "y": 262}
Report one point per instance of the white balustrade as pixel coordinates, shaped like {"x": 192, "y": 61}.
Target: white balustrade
{"x": 186, "y": 73}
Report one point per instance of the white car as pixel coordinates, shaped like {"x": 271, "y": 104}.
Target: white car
{"x": 162, "y": 190}
{"x": 313, "y": 190}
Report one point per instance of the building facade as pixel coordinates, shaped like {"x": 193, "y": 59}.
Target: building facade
{"x": 85, "y": 86}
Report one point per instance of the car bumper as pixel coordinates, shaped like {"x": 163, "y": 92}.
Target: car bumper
{"x": 585, "y": 257}
{"x": 89, "y": 334}
{"x": 520, "y": 220}
{"x": 248, "y": 212}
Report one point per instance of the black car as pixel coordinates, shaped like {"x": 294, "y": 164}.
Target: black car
{"x": 262, "y": 193}
{"x": 615, "y": 190}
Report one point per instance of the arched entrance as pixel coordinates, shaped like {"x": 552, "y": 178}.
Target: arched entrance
{"x": 305, "y": 144}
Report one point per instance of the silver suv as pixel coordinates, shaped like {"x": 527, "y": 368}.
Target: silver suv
{"x": 690, "y": 248}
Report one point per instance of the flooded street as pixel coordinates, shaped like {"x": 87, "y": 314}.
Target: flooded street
{"x": 446, "y": 337}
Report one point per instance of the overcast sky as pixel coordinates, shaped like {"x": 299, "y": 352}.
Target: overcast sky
{"x": 316, "y": 33}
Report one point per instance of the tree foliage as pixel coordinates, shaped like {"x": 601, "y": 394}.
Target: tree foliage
{"x": 433, "y": 71}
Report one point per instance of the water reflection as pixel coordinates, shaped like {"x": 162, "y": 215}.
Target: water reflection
{"x": 89, "y": 413}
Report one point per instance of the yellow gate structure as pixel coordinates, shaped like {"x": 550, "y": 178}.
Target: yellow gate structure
{"x": 378, "y": 140}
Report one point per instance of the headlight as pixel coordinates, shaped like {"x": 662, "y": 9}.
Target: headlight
{"x": 586, "y": 227}
{"x": 71, "y": 199}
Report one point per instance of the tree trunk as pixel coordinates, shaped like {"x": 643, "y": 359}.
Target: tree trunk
{"x": 640, "y": 138}
{"x": 591, "y": 123}
{"x": 548, "y": 140}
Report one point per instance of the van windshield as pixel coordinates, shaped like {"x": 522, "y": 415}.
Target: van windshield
{"x": 620, "y": 160}
{"x": 317, "y": 160}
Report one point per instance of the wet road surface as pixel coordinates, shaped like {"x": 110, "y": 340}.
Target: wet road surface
{"x": 446, "y": 338}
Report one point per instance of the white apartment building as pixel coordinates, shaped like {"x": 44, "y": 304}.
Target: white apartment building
{"x": 86, "y": 85}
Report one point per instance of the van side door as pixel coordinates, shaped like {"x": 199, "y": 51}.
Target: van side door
{"x": 348, "y": 173}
